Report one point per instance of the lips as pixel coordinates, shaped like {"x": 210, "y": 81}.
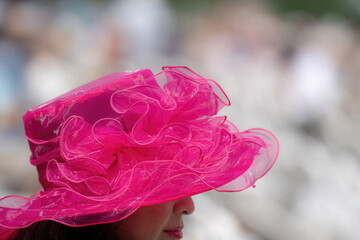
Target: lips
{"x": 175, "y": 232}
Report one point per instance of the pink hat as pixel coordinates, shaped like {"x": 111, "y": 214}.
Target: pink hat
{"x": 134, "y": 139}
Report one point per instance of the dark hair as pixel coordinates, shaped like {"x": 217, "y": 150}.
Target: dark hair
{"x": 50, "y": 230}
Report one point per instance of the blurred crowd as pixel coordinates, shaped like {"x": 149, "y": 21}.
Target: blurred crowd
{"x": 297, "y": 76}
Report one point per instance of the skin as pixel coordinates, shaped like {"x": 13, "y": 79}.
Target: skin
{"x": 157, "y": 222}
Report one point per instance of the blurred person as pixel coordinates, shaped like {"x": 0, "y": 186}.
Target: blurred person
{"x": 147, "y": 28}
{"x": 239, "y": 41}
{"x": 52, "y": 52}
{"x": 25, "y": 26}
{"x": 312, "y": 80}
{"x": 12, "y": 60}
{"x": 120, "y": 158}
{"x": 15, "y": 34}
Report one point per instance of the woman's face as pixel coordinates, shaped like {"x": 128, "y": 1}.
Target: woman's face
{"x": 157, "y": 222}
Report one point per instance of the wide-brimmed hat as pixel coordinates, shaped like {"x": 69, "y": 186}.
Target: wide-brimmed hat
{"x": 134, "y": 139}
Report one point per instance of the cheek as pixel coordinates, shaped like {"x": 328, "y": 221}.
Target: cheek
{"x": 146, "y": 223}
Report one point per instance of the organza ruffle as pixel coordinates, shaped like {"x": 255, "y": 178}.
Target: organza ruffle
{"x": 152, "y": 139}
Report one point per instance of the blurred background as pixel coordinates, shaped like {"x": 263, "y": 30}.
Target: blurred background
{"x": 291, "y": 67}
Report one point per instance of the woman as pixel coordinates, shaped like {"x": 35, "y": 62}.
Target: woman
{"x": 122, "y": 155}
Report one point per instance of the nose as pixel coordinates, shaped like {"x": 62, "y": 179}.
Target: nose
{"x": 184, "y": 206}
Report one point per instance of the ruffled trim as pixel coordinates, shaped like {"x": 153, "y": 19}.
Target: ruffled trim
{"x": 162, "y": 143}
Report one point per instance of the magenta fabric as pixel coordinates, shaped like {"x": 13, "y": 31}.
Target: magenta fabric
{"x": 134, "y": 139}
